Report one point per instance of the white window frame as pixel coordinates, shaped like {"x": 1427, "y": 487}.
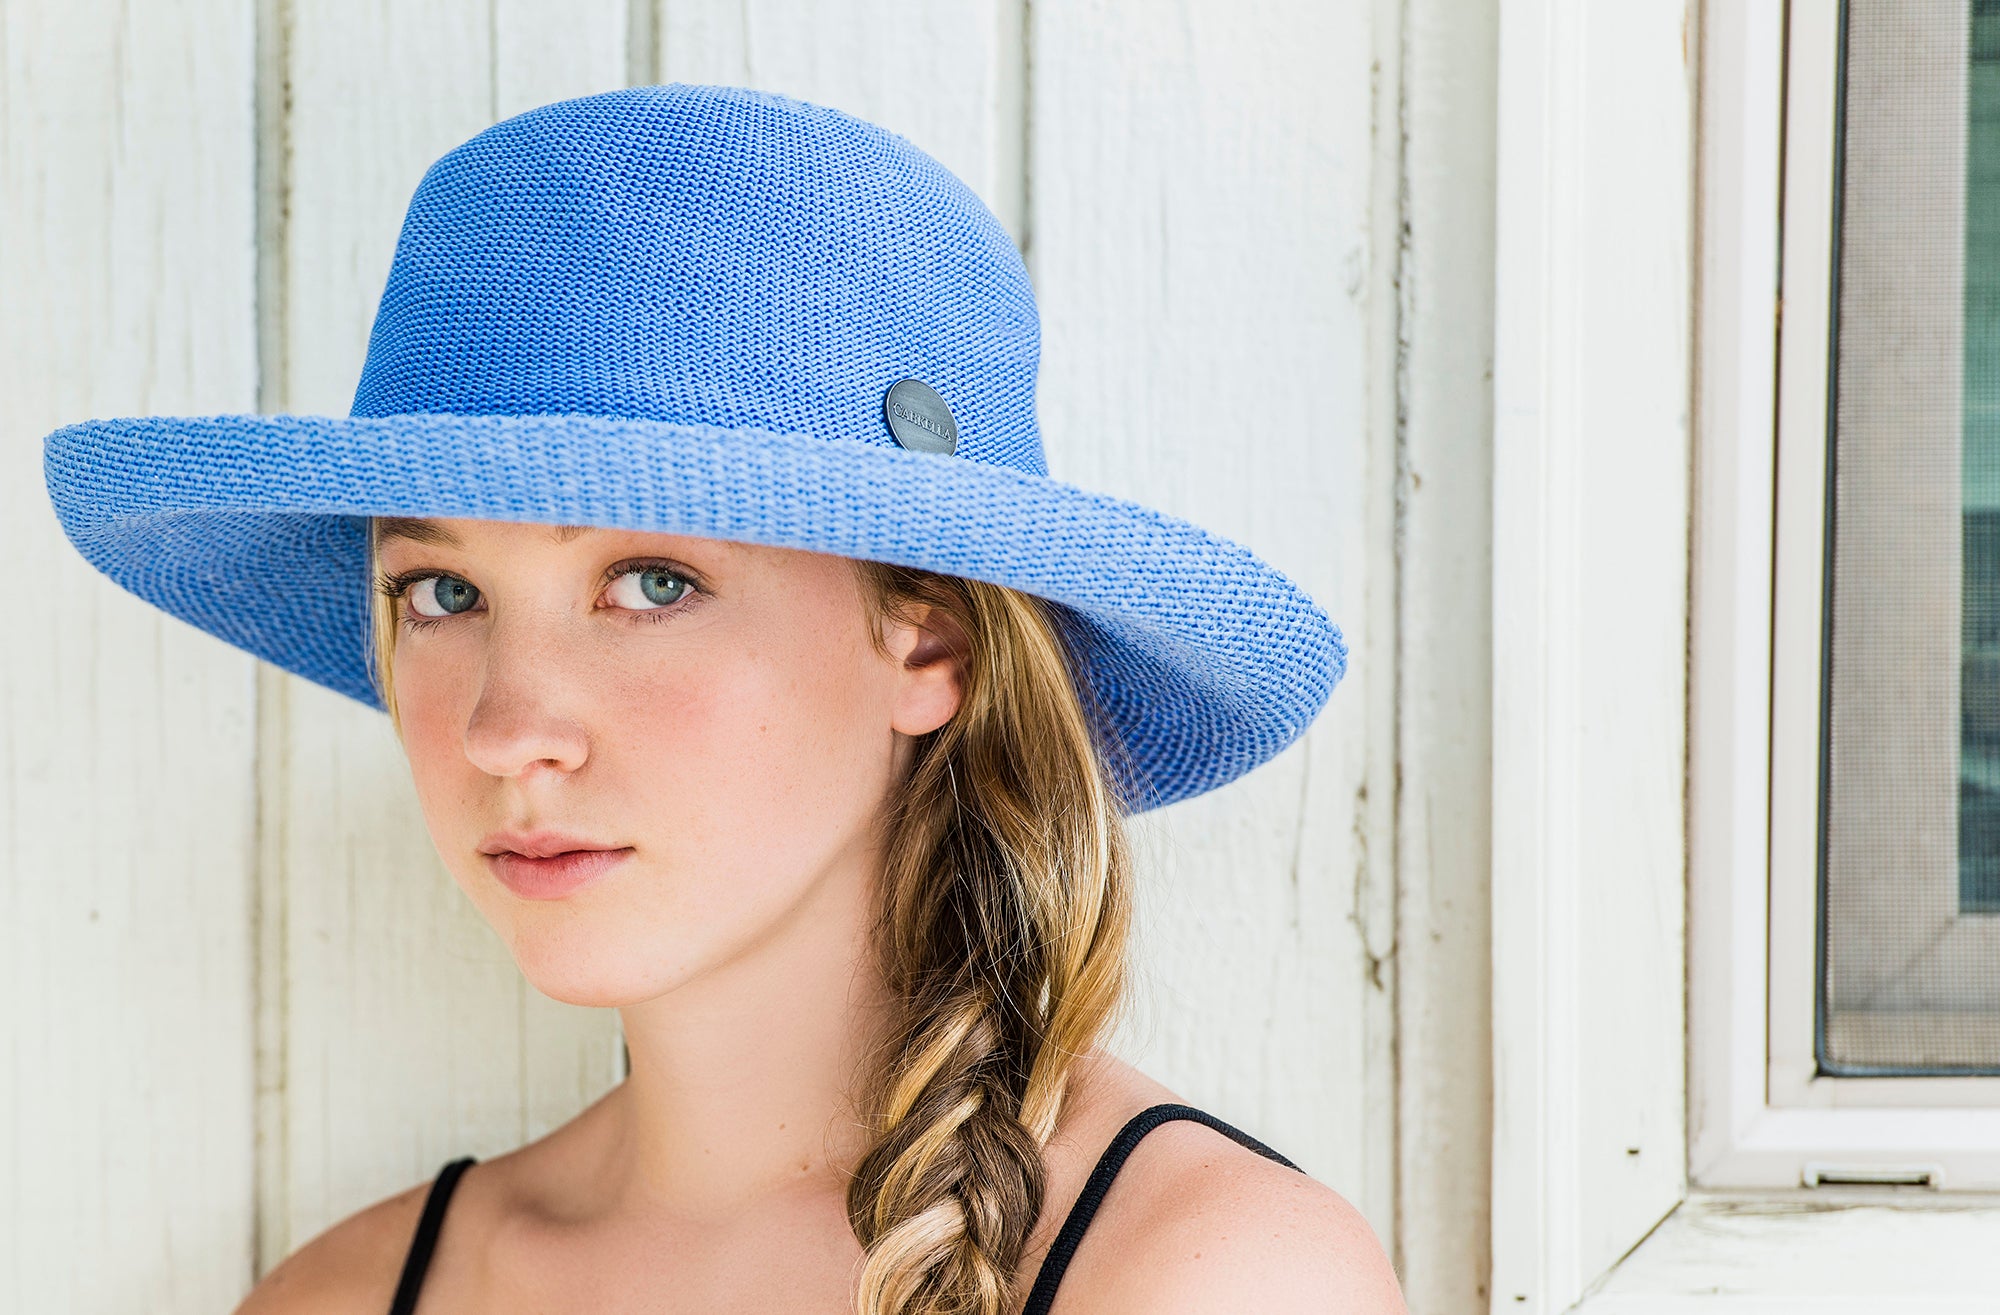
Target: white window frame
{"x": 1950, "y": 1140}
{"x": 1601, "y": 357}
{"x": 1788, "y": 1126}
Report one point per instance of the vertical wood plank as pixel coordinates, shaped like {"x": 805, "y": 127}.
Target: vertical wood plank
{"x": 127, "y": 259}
{"x": 405, "y": 1035}
{"x": 947, "y": 76}
{"x": 1205, "y": 253}
{"x": 544, "y": 52}
{"x": 1444, "y": 660}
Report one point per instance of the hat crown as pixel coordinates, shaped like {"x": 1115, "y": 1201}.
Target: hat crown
{"x": 705, "y": 256}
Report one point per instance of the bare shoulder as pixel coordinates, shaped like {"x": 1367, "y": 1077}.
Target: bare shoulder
{"x": 352, "y": 1266}
{"x": 1196, "y": 1223}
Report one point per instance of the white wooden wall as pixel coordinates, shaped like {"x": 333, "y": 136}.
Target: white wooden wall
{"x": 241, "y": 997}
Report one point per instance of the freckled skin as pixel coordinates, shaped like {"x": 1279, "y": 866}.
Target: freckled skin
{"x": 741, "y": 747}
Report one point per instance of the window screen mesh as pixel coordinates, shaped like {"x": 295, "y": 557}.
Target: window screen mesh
{"x": 1910, "y": 800}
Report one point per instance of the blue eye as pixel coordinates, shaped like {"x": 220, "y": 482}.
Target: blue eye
{"x": 658, "y": 587}
{"x": 649, "y": 592}
{"x": 447, "y": 593}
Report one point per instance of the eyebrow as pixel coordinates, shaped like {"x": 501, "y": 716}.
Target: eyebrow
{"x": 418, "y": 530}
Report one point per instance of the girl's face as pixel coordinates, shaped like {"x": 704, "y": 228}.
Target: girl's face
{"x": 714, "y": 710}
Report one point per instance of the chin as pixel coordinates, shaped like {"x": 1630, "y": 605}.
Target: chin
{"x": 588, "y": 984}
{"x": 575, "y": 965}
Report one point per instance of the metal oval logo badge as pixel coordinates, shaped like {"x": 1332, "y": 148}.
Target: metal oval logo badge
{"x": 918, "y": 418}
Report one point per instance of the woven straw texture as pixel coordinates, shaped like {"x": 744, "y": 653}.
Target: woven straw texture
{"x": 679, "y": 308}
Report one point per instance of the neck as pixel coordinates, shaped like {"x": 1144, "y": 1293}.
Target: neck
{"x": 744, "y": 1081}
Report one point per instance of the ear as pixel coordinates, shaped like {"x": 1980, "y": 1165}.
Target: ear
{"x": 933, "y": 652}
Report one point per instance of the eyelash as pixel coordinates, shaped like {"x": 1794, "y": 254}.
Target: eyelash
{"x": 396, "y": 585}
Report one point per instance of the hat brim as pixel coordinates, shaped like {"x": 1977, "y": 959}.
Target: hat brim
{"x": 1205, "y": 660}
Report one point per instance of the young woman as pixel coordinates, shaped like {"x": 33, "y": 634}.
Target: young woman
{"x": 693, "y": 529}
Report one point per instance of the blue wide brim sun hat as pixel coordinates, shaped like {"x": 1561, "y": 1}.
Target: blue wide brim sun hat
{"x": 684, "y": 309}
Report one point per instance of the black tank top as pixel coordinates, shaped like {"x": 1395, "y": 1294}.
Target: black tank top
{"x": 1047, "y": 1277}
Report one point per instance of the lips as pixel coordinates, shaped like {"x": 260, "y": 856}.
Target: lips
{"x": 546, "y": 865}
{"x": 540, "y": 844}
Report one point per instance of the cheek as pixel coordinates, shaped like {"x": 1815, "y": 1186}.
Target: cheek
{"x": 753, "y": 761}
{"x": 429, "y": 704}
{"x": 749, "y": 784}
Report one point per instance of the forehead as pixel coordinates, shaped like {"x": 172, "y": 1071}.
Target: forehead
{"x": 443, "y": 534}
{"x": 418, "y": 529}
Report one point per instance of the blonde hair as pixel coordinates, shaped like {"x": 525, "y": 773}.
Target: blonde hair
{"x": 1006, "y": 906}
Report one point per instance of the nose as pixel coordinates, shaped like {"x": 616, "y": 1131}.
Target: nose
{"x": 521, "y": 722}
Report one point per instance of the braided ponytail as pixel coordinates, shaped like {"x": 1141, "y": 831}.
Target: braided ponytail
{"x": 1003, "y": 932}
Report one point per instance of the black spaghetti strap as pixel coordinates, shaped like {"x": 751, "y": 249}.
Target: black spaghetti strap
{"x": 1044, "y": 1292}
{"x": 425, "y": 1240}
